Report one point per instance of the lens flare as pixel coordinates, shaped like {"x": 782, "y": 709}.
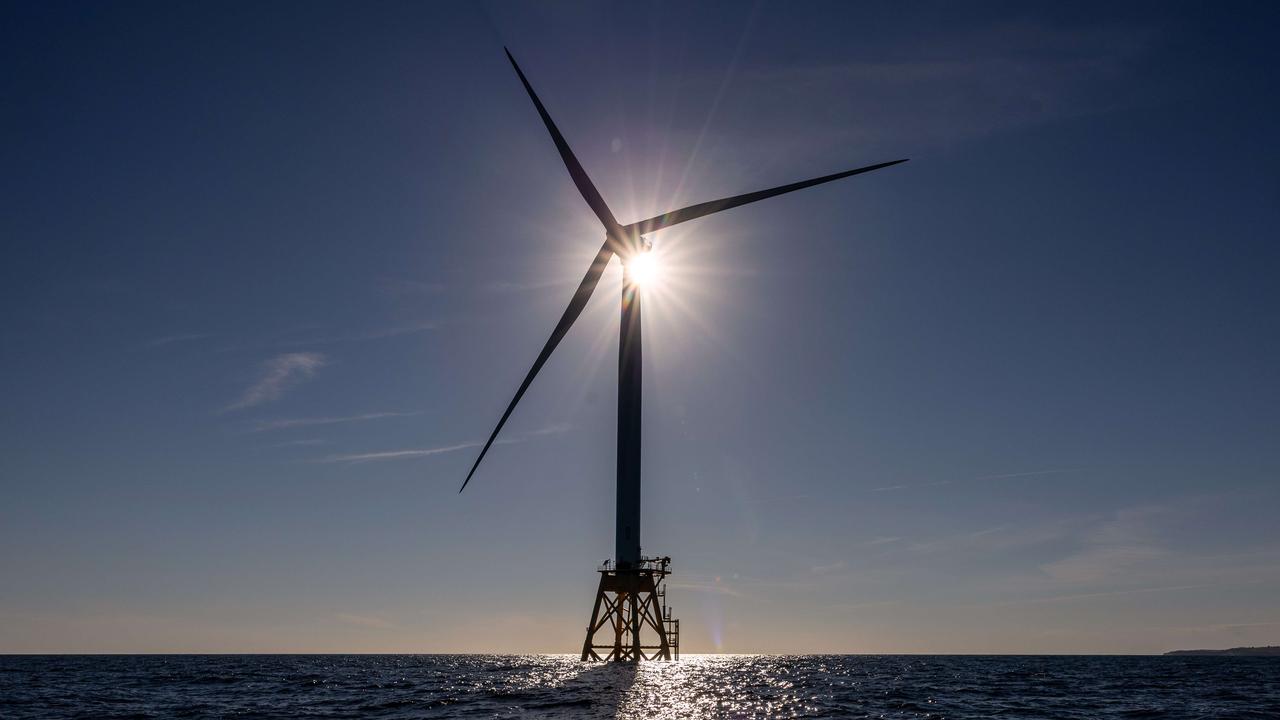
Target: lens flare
{"x": 644, "y": 269}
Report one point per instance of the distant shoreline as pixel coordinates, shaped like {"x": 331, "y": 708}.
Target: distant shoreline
{"x": 1267, "y": 651}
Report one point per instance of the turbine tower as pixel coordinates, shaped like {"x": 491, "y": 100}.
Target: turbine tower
{"x": 630, "y": 600}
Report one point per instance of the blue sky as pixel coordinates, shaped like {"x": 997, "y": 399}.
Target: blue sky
{"x": 271, "y": 272}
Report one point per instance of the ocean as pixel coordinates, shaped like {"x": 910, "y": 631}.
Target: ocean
{"x": 697, "y": 686}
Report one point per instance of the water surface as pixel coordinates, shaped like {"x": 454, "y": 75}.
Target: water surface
{"x": 706, "y": 686}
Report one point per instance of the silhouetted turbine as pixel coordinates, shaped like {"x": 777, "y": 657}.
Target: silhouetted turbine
{"x": 620, "y": 239}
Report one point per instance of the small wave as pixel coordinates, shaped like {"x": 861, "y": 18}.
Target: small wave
{"x": 894, "y": 688}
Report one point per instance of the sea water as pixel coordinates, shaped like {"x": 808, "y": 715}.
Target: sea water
{"x": 698, "y": 686}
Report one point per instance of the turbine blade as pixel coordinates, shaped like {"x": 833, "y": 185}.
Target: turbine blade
{"x": 693, "y": 212}
{"x": 580, "y": 179}
{"x": 571, "y": 313}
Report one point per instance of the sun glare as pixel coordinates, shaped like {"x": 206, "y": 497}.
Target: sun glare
{"x": 644, "y": 269}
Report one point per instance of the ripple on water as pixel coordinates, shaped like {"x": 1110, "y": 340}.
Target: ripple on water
{"x": 699, "y": 686}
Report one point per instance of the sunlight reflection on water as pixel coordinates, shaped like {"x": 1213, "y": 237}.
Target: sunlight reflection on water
{"x": 697, "y": 686}
{"x": 710, "y": 686}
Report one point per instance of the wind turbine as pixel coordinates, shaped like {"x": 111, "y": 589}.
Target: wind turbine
{"x": 630, "y": 588}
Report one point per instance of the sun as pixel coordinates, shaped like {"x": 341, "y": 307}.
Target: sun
{"x": 644, "y": 269}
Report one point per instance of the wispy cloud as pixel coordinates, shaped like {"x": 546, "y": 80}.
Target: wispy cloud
{"x": 278, "y": 374}
{"x": 555, "y": 429}
{"x": 286, "y": 423}
{"x": 1025, "y": 474}
{"x": 963, "y": 84}
{"x": 353, "y": 458}
{"x": 1104, "y": 563}
{"x": 1112, "y": 550}
{"x": 397, "y": 454}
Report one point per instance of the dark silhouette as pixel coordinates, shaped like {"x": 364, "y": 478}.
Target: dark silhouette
{"x": 1265, "y": 651}
{"x": 635, "y": 582}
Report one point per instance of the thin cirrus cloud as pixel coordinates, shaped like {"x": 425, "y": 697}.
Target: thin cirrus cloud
{"x": 278, "y": 374}
{"x": 397, "y": 454}
{"x": 941, "y": 91}
{"x": 287, "y": 423}
{"x": 354, "y": 458}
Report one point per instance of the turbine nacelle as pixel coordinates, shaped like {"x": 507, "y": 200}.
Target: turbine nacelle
{"x": 627, "y": 243}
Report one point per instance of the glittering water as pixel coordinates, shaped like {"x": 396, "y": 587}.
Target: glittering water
{"x": 707, "y": 686}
